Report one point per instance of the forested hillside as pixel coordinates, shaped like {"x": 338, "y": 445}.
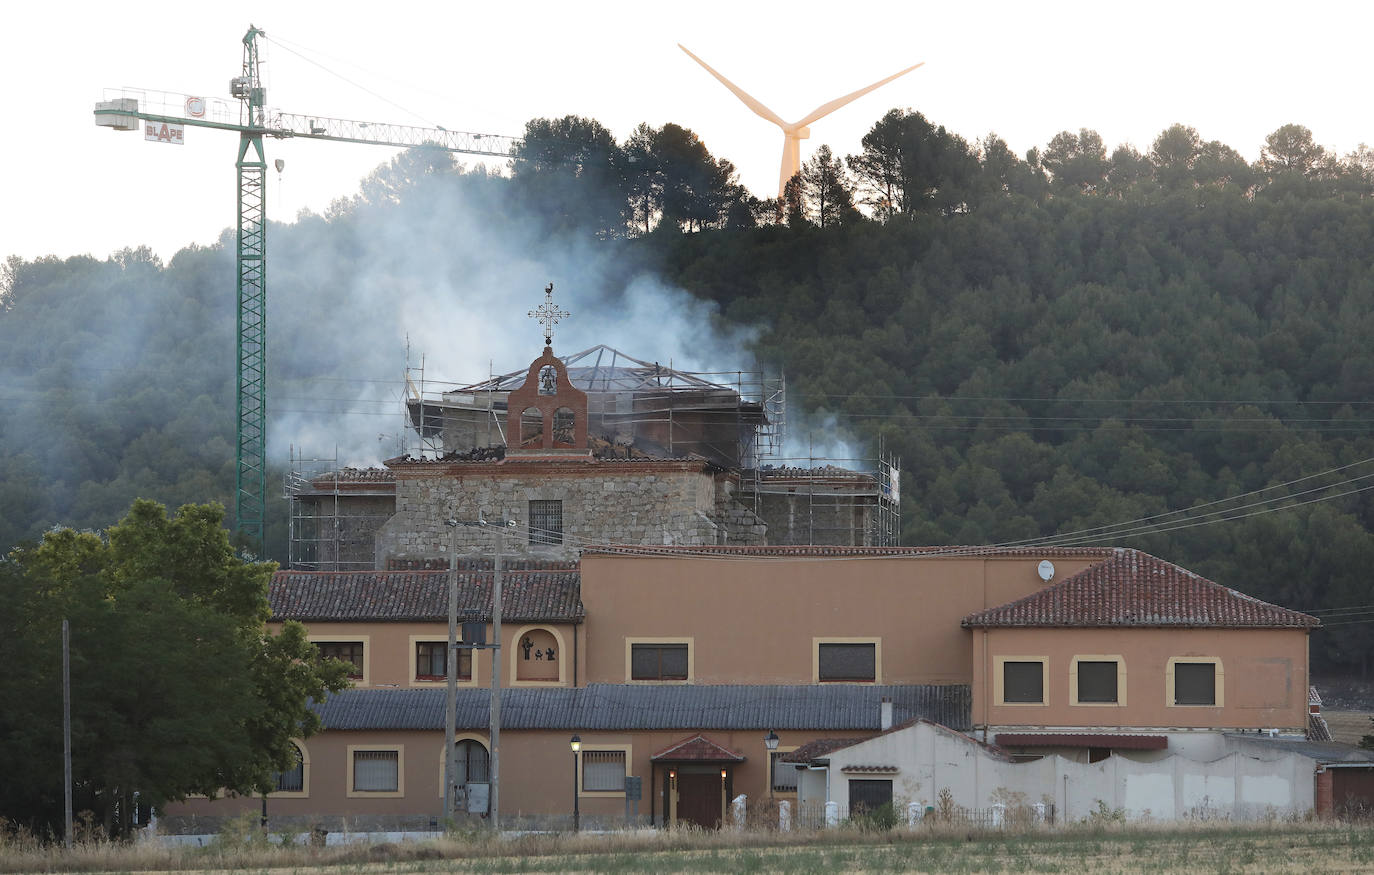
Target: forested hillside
{"x": 1071, "y": 345}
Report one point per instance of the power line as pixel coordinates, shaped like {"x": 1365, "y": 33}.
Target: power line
{"x": 1107, "y": 530}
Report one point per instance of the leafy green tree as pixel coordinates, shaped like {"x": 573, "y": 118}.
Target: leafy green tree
{"x": 178, "y": 687}
{"x": 909, "y": 165}
{"x": 1291, "y": 149}
{"x": 569, "y": 170}
{"x": 1077, "y": 162}
{"x": 826, "y": 190}
{"x": 1174, "y": 153}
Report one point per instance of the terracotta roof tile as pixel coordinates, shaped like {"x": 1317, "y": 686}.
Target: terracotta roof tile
{"x": 820, "y": 747}
{"x": 1132, "y": 588}
{"x": 526, "y": 595}
{"x": 698, "y": 748}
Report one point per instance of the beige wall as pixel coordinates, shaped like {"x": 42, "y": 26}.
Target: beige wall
{"x": 536, "y": 774}
{"x": 389, "y": 650}
{"x": 1263, "y": 677}
{"x": 755, "y": 620}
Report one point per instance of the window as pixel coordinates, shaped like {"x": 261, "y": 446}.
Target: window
{"x": 472, "y": 759}
{"x": 546, "y": 521}
{"x": 658, "y": 662}
{"x": 603, "y": 771}
{"x": 431, "y": 663}
{"x": 1195, "y": 683}
{"x": 292, "y": 780}
{"x": 1097, "y": 680}
{"x": 847, "y": 661}
{"x": 347, "y": 651}
{"x": 375, "y": 771}
{"x": 868, "y": 795}
{"x": 1023, "y": 682}
{"x": 784, "y": 775}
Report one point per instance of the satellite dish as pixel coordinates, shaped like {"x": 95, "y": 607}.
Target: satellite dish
{"x": 1045, "y": 569}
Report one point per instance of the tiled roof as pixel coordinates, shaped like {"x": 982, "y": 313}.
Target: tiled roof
{"x": 1132, "y": 588}
{"x": 820, "y": 747}
{"x": 824, "y": 551}
{"x": 698, "y": 749}
{"x": 1119, "y": 741}
{"x": 782, "y": 708}
{"x": 539, "y": 595}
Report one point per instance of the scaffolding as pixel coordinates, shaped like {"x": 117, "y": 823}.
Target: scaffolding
{"x": 335, "y": 512}
{"x": 733, "y": 418}
{"x": 636, "y": 409}
{"x": 831, "y": 500}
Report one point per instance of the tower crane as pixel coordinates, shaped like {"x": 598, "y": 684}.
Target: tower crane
{"x": 255, "y": 121}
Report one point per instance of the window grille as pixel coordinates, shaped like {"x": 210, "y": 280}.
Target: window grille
{"x": 376, "y": 771}
{"x": 546, "y": 521}
{"x": 658, "y": 662}
{"x": 472, "y": 762}
{"x": 848, "y": 662}
{"x": 784, "y": 774}
{"x": 1097, "y": 681}
{"x": 1023, "y": 682}
{"x": 603, "y": 771}
{"x": 292, "y": 780}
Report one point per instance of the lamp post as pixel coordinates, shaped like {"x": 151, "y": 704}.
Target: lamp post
{"x": 576, "y": 745}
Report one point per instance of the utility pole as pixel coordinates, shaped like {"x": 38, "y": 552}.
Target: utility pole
{"x": 67, "y": 732}
{"x": 451, "y": 672}
{"x": 496, "y": 662}
{"x": 450, "y": 717}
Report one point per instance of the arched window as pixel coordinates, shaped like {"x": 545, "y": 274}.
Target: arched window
{"x": 472, "y": 761}
{"x": 531, "y": 428}
{"x": 564, "y": 423}
{"x": 292, "y": 780}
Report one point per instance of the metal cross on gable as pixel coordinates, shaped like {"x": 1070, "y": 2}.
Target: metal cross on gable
{"x": 548, "y": 314}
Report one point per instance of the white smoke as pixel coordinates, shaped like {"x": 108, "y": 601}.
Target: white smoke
{"x": 453, "y": 277}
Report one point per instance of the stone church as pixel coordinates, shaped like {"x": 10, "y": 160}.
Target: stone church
{"x": 593, "y": 448}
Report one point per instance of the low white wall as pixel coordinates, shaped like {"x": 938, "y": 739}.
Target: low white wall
{"x": 930, "y": 759}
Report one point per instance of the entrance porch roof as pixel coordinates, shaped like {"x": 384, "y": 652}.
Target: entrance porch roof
{"x": 697, "y": 749}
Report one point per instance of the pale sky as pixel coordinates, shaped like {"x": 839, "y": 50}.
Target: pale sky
{"x": 1235, "y": 71}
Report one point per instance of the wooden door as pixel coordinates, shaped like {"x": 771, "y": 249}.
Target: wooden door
{"x": 698, "y": 799}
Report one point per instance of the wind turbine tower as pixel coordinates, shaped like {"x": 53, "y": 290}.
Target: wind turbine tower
{"x": 793, "y": 132}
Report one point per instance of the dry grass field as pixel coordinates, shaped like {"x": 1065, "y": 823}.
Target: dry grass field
{"x": 1276, "y": 847}
{"x": 1348, "y": 727}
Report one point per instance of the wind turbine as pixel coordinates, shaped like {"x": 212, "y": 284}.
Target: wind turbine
{"x": 793, "y": 132}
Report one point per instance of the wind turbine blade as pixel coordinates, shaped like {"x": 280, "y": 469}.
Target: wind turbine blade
{"x": 826, "y": 109}
{"x": 758, "y": 108}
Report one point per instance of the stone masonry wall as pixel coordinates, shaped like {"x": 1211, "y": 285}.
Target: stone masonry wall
{"x": 799, "y": 518}
{"x": 601, "y": 507}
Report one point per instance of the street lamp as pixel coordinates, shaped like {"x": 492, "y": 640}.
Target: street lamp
{"x": 770, "y": 741}
{"x": 576, "y": 745}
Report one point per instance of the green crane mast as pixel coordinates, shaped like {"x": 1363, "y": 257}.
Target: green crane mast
{"x": 255, "y": 121}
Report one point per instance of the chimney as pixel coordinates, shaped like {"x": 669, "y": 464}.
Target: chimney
{"x": 885, "y": 714}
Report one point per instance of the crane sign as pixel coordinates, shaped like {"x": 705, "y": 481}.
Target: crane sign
{"x": 167, "y": 125}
